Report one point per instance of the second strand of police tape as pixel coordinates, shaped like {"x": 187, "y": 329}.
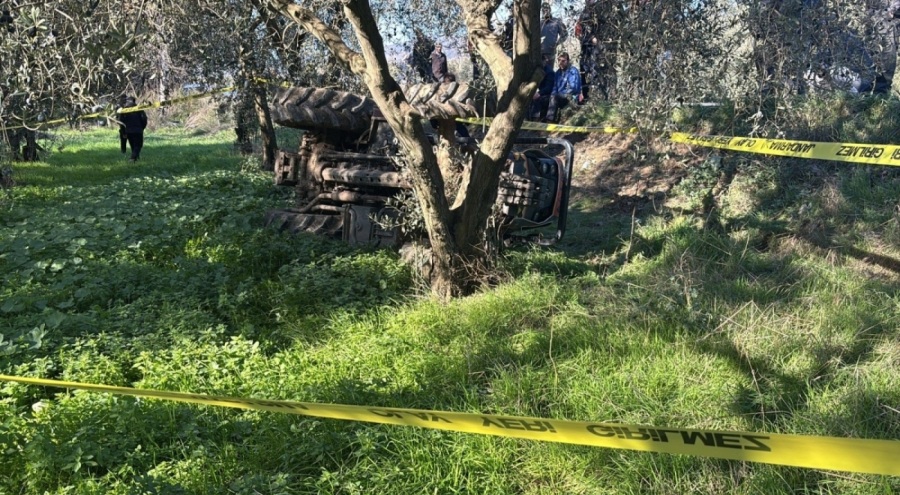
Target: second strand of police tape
{"x": 817, "y": 452}
{"x": 137, "y": 108}
{"x": 871, "y": 154}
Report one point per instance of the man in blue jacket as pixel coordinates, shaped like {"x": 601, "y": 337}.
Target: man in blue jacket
{"x": 567, "y": 87}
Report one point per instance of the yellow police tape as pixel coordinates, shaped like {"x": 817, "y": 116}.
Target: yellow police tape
{"x": 538, "y": 126}
{"x": 145, "y": 106}
{"x": 283, "y": 84}
{"x": 173, "y": 101}
{"x": 873, "y": 154}
{"x": 838, "y": 454}
{"x": 136, "y": 108}
{"x": 183, "y": 99}
{"x": 35, "y": 126}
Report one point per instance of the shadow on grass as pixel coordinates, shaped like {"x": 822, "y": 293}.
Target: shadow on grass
{"x": 601, "y": 235}
{"x": 826, "y": 239}
{"x": 607, "y": 225}
{"x": 97, "y": 167}
{"x": 776, "y": 396}
{"x": 724, "y": 277}
{"x": 603, "y": 227}
{"x": 520, "y": 340}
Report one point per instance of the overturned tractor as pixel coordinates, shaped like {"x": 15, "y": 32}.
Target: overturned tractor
{"x": 346, "y": 177}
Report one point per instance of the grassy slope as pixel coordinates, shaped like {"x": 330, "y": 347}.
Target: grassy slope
{"x": 158, "y": 275}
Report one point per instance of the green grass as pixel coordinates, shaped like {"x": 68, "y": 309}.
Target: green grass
{"x": 160, "y": 275}
{"x": 93, "y": 157}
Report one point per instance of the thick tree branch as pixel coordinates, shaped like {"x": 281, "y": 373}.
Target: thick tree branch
{"x": 517, "y": 81}
{"x": 372, "y": 66}
{"x": 328, "y": 36}
{"x": 406, "y": 123}
{"x": 455, "y": 234}
{"x": 477, "y": 16}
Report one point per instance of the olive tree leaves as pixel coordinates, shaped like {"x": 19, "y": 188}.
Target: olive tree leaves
{"x": 62, "y": 57}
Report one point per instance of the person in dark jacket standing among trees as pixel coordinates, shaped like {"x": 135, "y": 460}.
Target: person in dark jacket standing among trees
{"x": 886, "y": 20}
{"x": 420, "y": 58}
{"x": 131, "y": 128}
{"x": 553, "y": 32}
{"x": 438, "y": 63}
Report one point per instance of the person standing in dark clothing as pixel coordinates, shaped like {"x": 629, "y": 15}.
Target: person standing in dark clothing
{"x": 542, "y": 95}
{"x": 553, "y": 32}
{"x": 886, "y": 20}
{"x": 131, "y": 128}
{"x": 587, "y": 30}
{"x": 420, "y": 58}
{"x": 599, "y": 29}
{"x": 438, "y": 63}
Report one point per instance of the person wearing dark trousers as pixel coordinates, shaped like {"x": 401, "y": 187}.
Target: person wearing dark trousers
{"x": 587, "y": 31}
{"x": 542, "y": 96}
{"x": 438, "y": 63}
{"x": 131, "y": 129}
{"x": 567, "y": 87}
{"x": 123, "y": 139}
{"x": 553, "y": 31}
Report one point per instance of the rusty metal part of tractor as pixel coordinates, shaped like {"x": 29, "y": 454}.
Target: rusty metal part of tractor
{"x": 344, "y": 174}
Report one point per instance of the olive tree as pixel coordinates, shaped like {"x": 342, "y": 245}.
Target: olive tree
{"x": 456, "y": 223}
{"x": 60, "y": 58}
{"x": 218, "y": 43}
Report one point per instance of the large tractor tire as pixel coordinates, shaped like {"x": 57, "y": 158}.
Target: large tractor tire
{"x": 327, "y": 109}
{"x": 314, "y": 108}
{"x": 447, "y": 101}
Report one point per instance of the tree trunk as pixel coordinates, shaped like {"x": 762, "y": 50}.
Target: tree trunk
{"x": 895, "y": 83}
{"x": 260, "y": 101}
{"x": 266, "y": 128}
{"x": 13, "y": 140}
{"x": 246, "y": 114}
{"x": 245, "y": 124}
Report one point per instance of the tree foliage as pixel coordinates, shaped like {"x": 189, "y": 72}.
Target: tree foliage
{"x": 61, "y": 58}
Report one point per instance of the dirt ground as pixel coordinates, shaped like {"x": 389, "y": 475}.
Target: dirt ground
{"x": 627, "y": 165}
{"x": 619, "y": 176}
